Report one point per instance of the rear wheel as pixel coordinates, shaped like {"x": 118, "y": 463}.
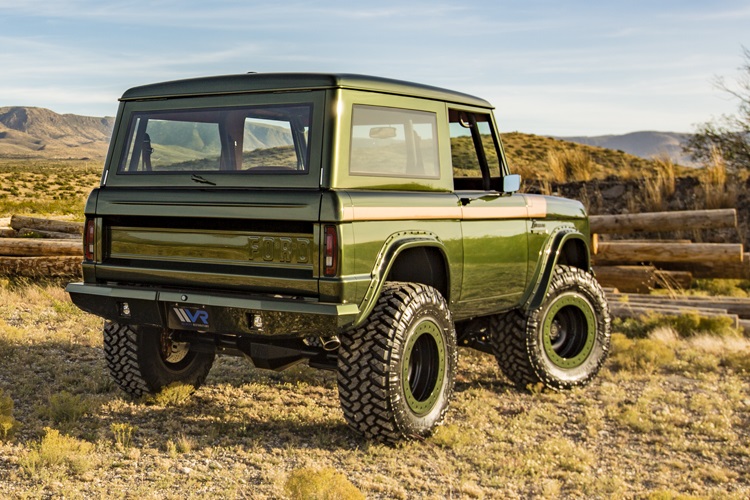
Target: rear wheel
{"x": 564, "y": 342}
{"x": 143, "y": 360}
{"x": 396, "y": 372}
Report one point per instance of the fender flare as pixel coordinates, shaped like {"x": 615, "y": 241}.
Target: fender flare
{"x": 551, "y": 255}
{"x": 393, "y": 246}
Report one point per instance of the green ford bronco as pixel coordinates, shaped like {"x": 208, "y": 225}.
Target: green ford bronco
{"x": 359, "y": 224}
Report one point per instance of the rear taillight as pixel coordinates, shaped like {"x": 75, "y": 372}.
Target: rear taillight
{"x": 89, "y": 239}
{"x": 330, "y": 251}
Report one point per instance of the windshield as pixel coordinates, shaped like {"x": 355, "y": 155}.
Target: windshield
{"x": 270, "y": 139}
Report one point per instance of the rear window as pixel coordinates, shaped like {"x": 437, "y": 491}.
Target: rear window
{"x": 252, "y": 140}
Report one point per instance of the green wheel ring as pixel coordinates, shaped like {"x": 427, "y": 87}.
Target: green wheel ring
{"x": 430, "y": 328}
{"x": 584, "y": 307}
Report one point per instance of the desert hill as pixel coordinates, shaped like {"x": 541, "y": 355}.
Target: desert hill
{"x": 38, "y": 132}
{"x": 647, "y": 144}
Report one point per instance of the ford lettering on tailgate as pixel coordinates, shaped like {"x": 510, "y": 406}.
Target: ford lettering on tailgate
{"x": 283, "y": 249}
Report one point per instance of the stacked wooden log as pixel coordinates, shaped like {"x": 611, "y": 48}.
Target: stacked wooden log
{"x": 38, "y": 248}
{"x": 640, "y": 265}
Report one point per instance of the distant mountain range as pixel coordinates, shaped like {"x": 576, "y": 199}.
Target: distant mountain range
{"x": 644, "y": 144}
{"x": 39, "y": 132}
{"x": 28, "y": 132}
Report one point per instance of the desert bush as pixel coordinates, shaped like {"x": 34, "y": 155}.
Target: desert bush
{"x": 687, "y": 324}
{"x": 65, "y": 407}
{"x": 57, "y": 450}
{"x": 183, "y": 444}
{"x": 738, "y": 361}
{"x": 175, "y": 394}
{"x": 123, "y": 434}
{"x": 452, "y": 436}
{"x": 721, "y": 287}
{"x": 8, "y": 424}
{"x": 640, "y": 355}
{"x": 320, "y": 484}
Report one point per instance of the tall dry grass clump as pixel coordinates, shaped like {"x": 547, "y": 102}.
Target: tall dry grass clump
{"x": 660, "y": 187}
{"x": 570, "y": 165}
{"x": 717, "y": 192}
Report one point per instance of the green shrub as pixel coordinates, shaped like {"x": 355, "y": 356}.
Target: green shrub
{"x": 65, "y": 407}
{"x": 685, "y": 325}
{"x": 320, "y": 484}
{"x": 123, "y": 433}
{"x": 642, "y": 355}
{"x": 738, "y": 361}
{"x": 6, "y": 404}
{"x": 454, "y": 437}
{"x": 175, "y": 394}
{"x": 8, "y": 424}
{"x": 723, "y": 288}
{"x": 57, "y": 450}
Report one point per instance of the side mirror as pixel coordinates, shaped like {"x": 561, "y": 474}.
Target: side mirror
{"x": 511, "y": 183}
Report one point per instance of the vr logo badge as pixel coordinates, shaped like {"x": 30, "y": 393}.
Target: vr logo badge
{"x": 194, "y": 318}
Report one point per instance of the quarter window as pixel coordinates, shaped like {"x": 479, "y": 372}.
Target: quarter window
{"x": 393, "y": 142}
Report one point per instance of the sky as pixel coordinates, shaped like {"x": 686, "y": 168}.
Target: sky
{"x": 550, "y": 67}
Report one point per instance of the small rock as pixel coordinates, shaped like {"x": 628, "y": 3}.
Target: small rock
{"x": 614, "y": 192}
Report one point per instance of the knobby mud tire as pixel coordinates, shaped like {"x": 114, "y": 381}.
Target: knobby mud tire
{"x": 563, "y": 343}
{"x": 136, "y": 363}
{"x": 396, "y": 372}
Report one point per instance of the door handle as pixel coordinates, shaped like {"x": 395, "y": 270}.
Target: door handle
{"x": 486, "y": 197}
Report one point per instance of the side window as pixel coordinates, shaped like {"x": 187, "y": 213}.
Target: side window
{"x": 472, "y": 144}
{"x": 393, "y": 142}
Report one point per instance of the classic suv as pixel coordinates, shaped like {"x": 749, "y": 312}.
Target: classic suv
{"x": 364, "y": 225}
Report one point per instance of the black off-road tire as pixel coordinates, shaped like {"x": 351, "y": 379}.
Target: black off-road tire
{"x": 396, "y": 372}
{"x": 142, "y": 360}
{"x": 564, "y": 342}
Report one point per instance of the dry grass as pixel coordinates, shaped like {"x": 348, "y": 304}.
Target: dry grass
{"x": 717, "y": 192}
{"x": 568, "y": 165}
{"x": 661, "y": 186}
{"x": 666, "y": 417}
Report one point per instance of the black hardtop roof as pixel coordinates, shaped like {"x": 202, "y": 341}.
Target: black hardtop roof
{"x": 264, "y": 82}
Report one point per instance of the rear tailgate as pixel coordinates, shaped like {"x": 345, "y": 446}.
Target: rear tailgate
{"x": 255, "y": 241}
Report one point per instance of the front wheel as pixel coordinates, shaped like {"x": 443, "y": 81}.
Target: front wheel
{"x": 561, "y": 344}
{"x": 396, "y": 372}
{"x": 144, "y": 360}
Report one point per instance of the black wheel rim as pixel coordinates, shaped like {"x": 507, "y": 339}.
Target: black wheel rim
{"x": 569, "y": 331}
